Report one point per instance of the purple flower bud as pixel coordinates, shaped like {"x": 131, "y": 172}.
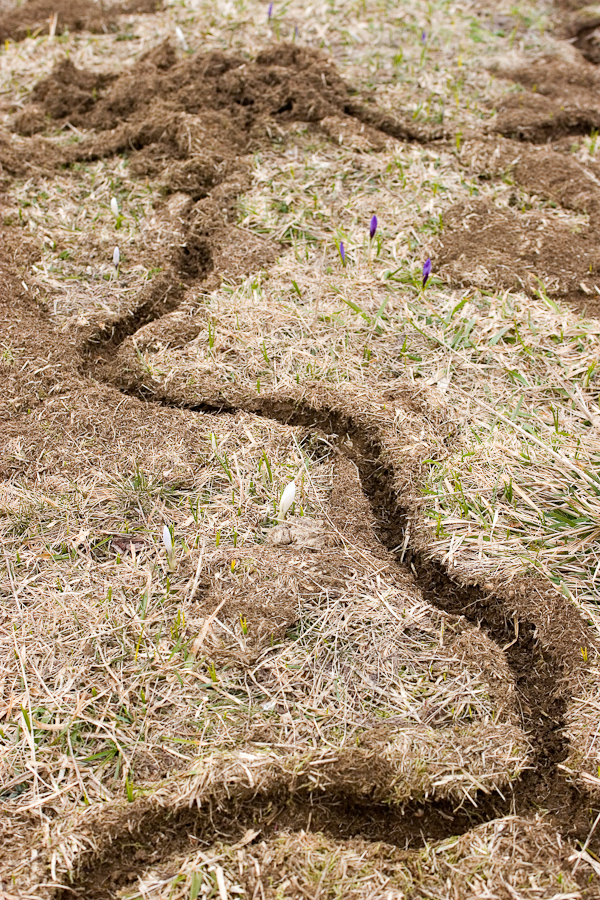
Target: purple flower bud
{"x": 423, "y": 37}
{"x": 373, "y": 227}
{"x": 296, "y": 33}
{"x": 270, "y": 12}
{"x": 342, "y": 253}
{"x": 426, "y": 271}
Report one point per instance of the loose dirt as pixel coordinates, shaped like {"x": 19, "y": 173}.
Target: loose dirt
{"x": 37, "y": 17}
{"x": 529, "y": 251}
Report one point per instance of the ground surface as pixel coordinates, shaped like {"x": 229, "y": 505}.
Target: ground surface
{"x": 394, "y": 692}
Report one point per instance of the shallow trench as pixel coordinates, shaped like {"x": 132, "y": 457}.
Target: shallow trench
{"x": 538, "y": 674}
{"x": 154, "y": 835}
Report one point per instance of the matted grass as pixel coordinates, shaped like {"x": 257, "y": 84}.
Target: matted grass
{"x": 299, "y": 661}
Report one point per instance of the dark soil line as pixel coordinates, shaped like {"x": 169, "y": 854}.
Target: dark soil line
{"x": 152, "y": 836}
{"x": 163, "y": 297}
{"x": 538, "y": 676}
{"x": 538, "y": 673}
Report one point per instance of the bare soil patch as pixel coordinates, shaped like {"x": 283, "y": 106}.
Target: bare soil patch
{"x": 485, "y": 245}
{"x": 186, "y": 119}
{"x": 36, "y": 17}
{"x": 540, "y": 170}
{"x": 559, "y": 99}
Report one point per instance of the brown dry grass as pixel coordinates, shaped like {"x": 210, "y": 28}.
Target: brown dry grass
{"x": 287, "y": 664}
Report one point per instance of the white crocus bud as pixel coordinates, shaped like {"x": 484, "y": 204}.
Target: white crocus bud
{"x": 181, "y": 38}
{"x": 168, "y": 542}
{"x": 116, "y": 257}
{"x": 114, "y": 205}
{"x": 287, "y": 498}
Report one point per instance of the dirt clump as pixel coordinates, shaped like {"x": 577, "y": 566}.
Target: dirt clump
{"x": 560, "y": 98}
{"x": 582, "y": 28}
{"x": 489, "y": 246}
{"x": 542, "y": 171}
{"x": 539, "y": 119}
{"x": 34, "y": 359}
{"x": 40, "y": 16}
{"x": 292, "y": 83}
{"x": 70, "y": 91}
{"x": 195, "y": 114}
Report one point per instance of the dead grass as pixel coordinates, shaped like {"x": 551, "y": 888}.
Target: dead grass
{"x": 308, "y": 666}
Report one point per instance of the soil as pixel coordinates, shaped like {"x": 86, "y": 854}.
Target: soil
{"x": 487, "y": 245}
{"x": 189, "y": 120}
{"x": 559, "y": 98}
{"x": 38, "y": 16}
{"x": 191, "y": 124}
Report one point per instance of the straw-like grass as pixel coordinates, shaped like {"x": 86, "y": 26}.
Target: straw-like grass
{"x": 310, "y": 666}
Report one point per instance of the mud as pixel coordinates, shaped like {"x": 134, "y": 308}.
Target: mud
{"x": 36, "y": 17}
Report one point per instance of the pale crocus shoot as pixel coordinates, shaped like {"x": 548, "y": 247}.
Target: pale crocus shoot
{"x": 426, "y": 271}
{"x": 287, "y": 499}
{"x": 114, "y": 205}
{"x": 168, "y": 542}
{"x": 116, "y": 258}
{"x": 373, "y": 227}
{"x": 181, "y": 37}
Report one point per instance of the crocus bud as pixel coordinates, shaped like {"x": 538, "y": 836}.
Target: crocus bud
{"x": 114, "y": 205}
{"x": 342, "y": 253}
{"x": 287, "y": 498}
{"x": 116, "y": 257}
{"x": 373, "y": 227}
{"x": 168, "y": 542}
{"x": 181, "y": 38}
{"x": 270, "y": 12}
{"x": 426, "y": 271}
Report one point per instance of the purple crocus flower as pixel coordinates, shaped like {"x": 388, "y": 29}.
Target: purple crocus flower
{"x": 423, "y": 37}
{"x": 426, "y": 271}
{"x": 342, "y": 253}
{"x": 373, "y": 227}
{"x": 270, "y": 12}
